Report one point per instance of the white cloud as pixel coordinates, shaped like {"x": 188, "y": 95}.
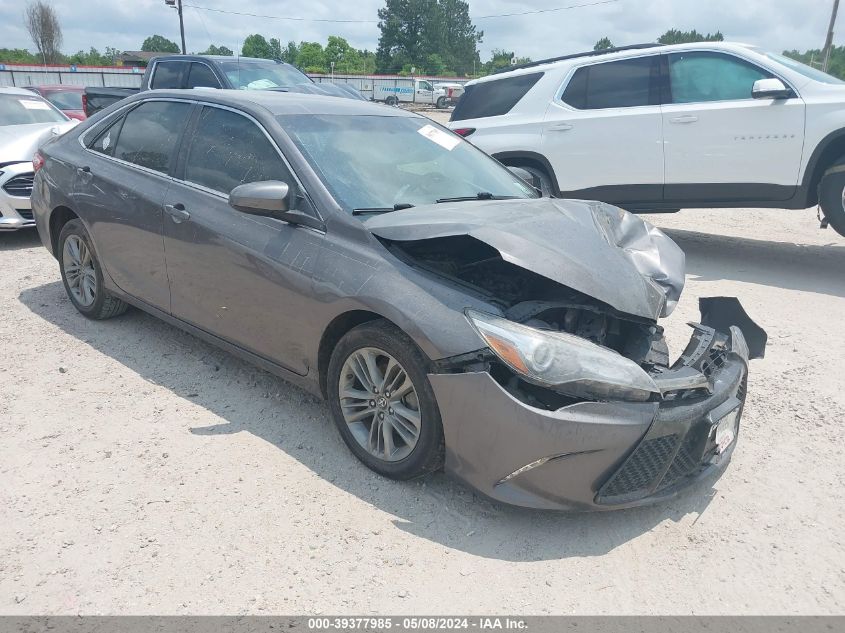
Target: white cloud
{"x": 772, "y": 24}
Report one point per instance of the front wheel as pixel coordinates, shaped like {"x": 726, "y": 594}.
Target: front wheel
{"x": 82, "y": 274}
{"x": 832, "y": 199}
{"x": 382, "y": 402}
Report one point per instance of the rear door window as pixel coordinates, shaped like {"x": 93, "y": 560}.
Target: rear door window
{"x": 701, "y": 76}
{"x": 228, "y": 149}
{"x": 626, "y": 83}
{"x": 201, "y": 76}
{"x": 493, "y": 98}
{"x": 105, "y": 141}
{"x": 150, "y": 132}
{"x": 168, "y": 75}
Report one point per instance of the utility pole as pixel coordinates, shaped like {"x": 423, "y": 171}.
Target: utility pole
{"x": 828, "y": 43}
{"x": 177, "y": 4}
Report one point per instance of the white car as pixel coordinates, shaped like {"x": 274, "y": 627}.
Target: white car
{"x": 661, "y": 128}
{"x": 26, "y": 122}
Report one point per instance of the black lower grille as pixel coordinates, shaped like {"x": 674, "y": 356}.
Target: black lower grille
{"x": 686, "y": 462}
{"x": 20, "y": 186}
{"x": 26, "y": 214}
{"x": 641, "y": 468}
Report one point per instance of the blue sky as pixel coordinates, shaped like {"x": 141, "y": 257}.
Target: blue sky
{"x": 772, "y": 24}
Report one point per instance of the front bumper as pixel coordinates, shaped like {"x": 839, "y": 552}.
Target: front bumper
{"x": 596, "y": 455}
{"x": 16, "y": 209}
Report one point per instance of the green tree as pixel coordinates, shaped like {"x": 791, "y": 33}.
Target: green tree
{"x": 346, "y": 59}
{"x": 502, "y": 59}
{"x": 311, "y": 57}
{"x": 411, "y": 30}
{"x": 291, "y": 53}
{"x": 18, "y": 56}
{"x": 218, "y": 50}
{"x": 159, "y": 44}
{"x": 674, "y": 36}
{"x": 276, "y": 48}
{"x": 603, "y": 44}
{"x": 256, "y": 46}
{"x": 93, "y": 57}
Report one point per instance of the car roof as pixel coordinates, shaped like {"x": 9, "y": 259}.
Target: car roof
{"x": 279, "y": 103}
{"x": 57, "y": 87}
{"x": 609, "y": 55}
{"x": 9, "y": 90}
{"x": 217, "y": 58}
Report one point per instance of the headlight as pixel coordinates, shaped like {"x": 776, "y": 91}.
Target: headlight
{"x": 564, "y": 362}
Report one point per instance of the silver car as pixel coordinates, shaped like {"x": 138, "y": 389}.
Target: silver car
{"x": 26, "y": 121}
{"x": 448, "y": 314}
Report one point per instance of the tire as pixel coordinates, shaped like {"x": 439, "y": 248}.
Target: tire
{"x": 832, "y": 200}
{"x": 441, "y": 103}
{"x": 85, "y": 289}
{"x": 355, "y": 416}
{"x": 392, "y": 101}
{"x": 546, "y": 188}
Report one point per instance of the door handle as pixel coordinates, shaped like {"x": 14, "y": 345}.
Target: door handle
{"x": 687, "y": 118}
{"x": 561, "y": 127}
{"x": 177, "y": 212}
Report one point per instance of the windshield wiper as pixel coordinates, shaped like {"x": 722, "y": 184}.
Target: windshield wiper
{"x": 395, "y": 207}
{"x": 481, "y": 195}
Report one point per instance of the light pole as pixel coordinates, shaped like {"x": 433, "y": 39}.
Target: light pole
{"x": 177, "y": 4}
{"x": 828, "y": 43}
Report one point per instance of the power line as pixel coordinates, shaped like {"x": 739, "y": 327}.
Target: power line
{"x": 572, "y": 6}
{"x": 279, "y": 17}
{"x": 480, "y": 17}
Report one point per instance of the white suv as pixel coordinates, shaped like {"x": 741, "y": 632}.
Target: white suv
{"x": 656, "y": 128}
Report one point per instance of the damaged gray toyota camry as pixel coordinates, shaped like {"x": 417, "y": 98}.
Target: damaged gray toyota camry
{"x": 449, "y": 315}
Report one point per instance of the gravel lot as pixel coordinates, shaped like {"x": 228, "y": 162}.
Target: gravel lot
{"x": 145, "y": 471}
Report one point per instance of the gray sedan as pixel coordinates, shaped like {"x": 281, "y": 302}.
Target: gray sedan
{"x": 448, "y": 314}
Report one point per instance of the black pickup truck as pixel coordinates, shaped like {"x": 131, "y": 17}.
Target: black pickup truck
{"x": 213, "y": 71}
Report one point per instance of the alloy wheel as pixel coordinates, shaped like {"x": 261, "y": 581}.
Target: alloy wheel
{"x": 380, "y": 404}
{"x": 79, "y": 271}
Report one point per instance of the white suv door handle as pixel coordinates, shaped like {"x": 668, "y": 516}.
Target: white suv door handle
{"x": 561, "y": 127}
{"x": 687, "y": 118}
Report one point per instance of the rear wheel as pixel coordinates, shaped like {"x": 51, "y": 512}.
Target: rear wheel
{"x": 441, "y": 103}
{"x": 544, "y": 181}
{"x": 82, "y": 275}
{"x": 382, "y": 402}
{"x": 392, "y": 101}
{"x": 832, "y": 199}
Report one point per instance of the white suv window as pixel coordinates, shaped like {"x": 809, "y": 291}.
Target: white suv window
{"x": 701, "y": 76}
{"x": 625, "y": 83}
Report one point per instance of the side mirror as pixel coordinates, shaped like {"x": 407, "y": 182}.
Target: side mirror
{"x": 770, "y": 89}
{"x": 270, "y": 199}
{"x": 526, "y": 176}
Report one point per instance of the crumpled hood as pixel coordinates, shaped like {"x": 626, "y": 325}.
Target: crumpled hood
{"x": 19, "y": 142}
{"x": 594, "y": 248}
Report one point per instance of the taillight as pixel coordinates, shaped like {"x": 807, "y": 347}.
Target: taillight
{"x": 85, "y": 103}
{"x": 464, "y": 131}
{"x": 37, "y": 161}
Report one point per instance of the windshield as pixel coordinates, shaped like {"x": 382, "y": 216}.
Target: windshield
{"x": 23, "y": 109}
{"x": 262, "y": 75}
{"x": 807, "y": 71}
{"x": 377, "y": 162}
{"x": 65, "y": 100}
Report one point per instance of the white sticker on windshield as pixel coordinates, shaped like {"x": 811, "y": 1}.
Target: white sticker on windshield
{"x": 32, "y": 104}
{"x": 443, "y": 139}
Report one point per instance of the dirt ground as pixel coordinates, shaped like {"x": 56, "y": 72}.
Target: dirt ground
{"x": 146, "y": 472}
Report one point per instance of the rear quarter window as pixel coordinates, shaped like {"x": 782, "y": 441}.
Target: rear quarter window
{"x": 167, "y": 75}
{"x": 626, "y": 83}
{"x": 493, "y": 98}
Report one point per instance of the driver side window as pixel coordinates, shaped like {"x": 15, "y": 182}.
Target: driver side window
{"x": 700, "y": 76}
{"x": 228, "y": 150}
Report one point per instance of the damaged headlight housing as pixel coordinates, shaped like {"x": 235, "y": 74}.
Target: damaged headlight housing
{"x": 563, "y": 362}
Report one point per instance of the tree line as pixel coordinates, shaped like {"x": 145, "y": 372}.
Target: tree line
{"x": 423, "y": 37}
